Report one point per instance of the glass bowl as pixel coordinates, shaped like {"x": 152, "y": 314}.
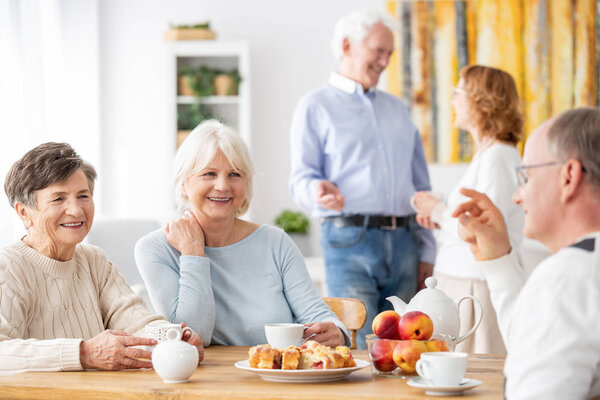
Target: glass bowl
{"x": 397, "y": 358}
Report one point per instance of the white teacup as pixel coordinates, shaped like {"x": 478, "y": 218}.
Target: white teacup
{"x": 158, "y": 332}
{"x": 442, "y": 368}
{"x": 284, "y": 335}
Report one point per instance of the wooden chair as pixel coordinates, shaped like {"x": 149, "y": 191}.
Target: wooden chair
{"x": 352, "y": 312}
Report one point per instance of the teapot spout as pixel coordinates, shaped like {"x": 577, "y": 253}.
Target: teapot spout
{"x": 399, "y": 305}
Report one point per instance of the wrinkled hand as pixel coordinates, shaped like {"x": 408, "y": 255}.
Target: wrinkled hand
{"x": 111, "y": 350}
{"x": 426, "y": 222}
{"x": 195, "y": 340}
{"x": 482, "y": 226}
{"x": 327, "y": 333}
{"x": 425, "y": 202}
{"x": 328, "y": 196}
{"x": 425, "y": 271}
{"x": 186, "y": 235}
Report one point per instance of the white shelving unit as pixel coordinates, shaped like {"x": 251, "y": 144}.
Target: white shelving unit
{"x": 231, "y": 110}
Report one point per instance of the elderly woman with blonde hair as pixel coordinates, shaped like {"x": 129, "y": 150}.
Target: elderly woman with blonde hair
{"x": 63, "y": 304}
{"x": 224, "y": 276}
{"x": 487, "y": 105}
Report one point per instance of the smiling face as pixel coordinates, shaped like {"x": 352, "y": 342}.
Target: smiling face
{"x": 364, "y": 61}
{"x": 217, "y": 191}
{"x": 62, "y": 217}
{"x": 540, "y": 196}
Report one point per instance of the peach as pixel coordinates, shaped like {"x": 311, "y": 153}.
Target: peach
{"x": 385, "y": 325}
{"x": 407, "y": 353}
{"x": 436, "y": 345}
{"x": 415, "y": 325}
{"x": 382, "y": 355}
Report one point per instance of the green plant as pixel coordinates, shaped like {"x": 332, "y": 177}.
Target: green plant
{"x": 191, "y": 116}
{"x": 235, "y": 75}
{"x": 204, "y": 25}
{"x": 292, "y": 222}
{"x": 200, "y": 80}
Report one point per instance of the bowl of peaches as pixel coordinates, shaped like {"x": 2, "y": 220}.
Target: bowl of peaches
{"x": 398, "y": 341}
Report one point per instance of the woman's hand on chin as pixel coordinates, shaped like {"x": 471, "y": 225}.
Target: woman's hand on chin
{"x": 186, "y": 235}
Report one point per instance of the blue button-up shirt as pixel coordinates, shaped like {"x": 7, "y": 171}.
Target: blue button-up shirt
{"x": 365, "y": 143}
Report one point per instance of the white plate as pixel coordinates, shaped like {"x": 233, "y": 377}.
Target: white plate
{"x": 302, "y": 375}
{"x": 432, "y": 390}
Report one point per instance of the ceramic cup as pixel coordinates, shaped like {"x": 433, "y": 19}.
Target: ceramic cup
{"x": 284, "y": 335}
{"x": 442, "y": 368}
{"x": 158, "y": 332}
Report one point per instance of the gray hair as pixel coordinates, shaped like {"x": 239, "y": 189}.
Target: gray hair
{"x": 200, "y": 147}
{"x": 576, "y": 134}
{"x": 356, "y": 26}
{"x": 41, "y": 167}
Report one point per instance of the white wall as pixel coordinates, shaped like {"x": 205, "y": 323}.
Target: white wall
{"x": 290, "y": 55}
{"x": 49, "y": 85}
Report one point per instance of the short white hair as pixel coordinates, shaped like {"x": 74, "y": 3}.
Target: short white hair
{"x": 356, "y": 26}
{"x": 200, "y": 147}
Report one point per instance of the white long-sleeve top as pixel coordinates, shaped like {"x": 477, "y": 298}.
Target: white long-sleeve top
{"x": 550, "y": 322}
{"x": 493, "y": 172}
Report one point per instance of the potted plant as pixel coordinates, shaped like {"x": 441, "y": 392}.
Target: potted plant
{"x": 296, "y": 225}
{"x": 190, "y": 117}
{"x": 198, "y": 82}
{"x": 199, "y": 31}
{"x": 227, "y": 82}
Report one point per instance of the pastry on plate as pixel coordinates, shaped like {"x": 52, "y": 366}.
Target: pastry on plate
{"x": 264, "y": 356}
{"x": 311, "y": 355}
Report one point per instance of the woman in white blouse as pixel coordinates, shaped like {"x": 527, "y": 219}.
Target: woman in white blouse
{"x": 487, "y": 105}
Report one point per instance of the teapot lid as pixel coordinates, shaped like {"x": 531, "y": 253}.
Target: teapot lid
{"x": 174, "y": 342}
{"x": 430, "y": 293}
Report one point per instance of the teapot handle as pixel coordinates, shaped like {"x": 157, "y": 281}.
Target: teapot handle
{"x": 479, "y": 310}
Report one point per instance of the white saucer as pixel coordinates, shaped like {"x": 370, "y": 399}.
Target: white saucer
{"x": 432, "y": 390}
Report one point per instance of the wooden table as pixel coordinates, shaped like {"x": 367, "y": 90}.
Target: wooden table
{"x": 217, "y": 378}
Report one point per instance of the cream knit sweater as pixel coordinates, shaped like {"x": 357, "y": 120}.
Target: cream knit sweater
{"x": 48, "y": 307}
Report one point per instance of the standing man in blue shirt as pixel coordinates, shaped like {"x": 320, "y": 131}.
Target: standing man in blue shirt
{"x": 357, "y": 159}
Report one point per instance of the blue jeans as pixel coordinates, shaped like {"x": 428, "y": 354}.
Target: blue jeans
{"x": 370, "y": 264}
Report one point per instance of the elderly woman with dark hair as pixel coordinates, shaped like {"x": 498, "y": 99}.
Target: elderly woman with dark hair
{"x": 64, "y": 306}
{"x": 487, "y": 105}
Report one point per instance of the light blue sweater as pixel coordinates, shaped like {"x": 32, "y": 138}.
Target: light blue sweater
{"x": 228, "y": 295}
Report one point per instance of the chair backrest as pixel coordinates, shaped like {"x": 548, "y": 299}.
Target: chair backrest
{"x": 117, "y": 237}
{"x": 352, "y": 312}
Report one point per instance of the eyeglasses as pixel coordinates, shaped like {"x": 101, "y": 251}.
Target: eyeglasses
{"x": 522, "y": 175}
{"x": 458, "y": 90}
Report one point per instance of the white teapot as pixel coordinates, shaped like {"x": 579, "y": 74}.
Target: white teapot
{"x": 173, "y": 359}
{"x": 441, "y": 309}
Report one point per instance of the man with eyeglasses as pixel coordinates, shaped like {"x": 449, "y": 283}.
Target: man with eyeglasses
{"x": 550, "y": 322}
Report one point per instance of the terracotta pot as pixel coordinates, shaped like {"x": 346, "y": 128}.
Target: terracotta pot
{"x": 223, "y": 84}
{"x": 183, "y": 86}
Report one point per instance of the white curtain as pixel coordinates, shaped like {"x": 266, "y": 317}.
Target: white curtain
{"x": 49, "y": 84}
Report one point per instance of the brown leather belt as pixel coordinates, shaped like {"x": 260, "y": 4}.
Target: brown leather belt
{"x": 388, "y": 222}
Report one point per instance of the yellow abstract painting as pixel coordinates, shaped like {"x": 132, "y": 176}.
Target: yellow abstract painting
{"x": 549, "y": 46}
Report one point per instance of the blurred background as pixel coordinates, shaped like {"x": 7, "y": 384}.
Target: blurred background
{"x": 101, "y": 75}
